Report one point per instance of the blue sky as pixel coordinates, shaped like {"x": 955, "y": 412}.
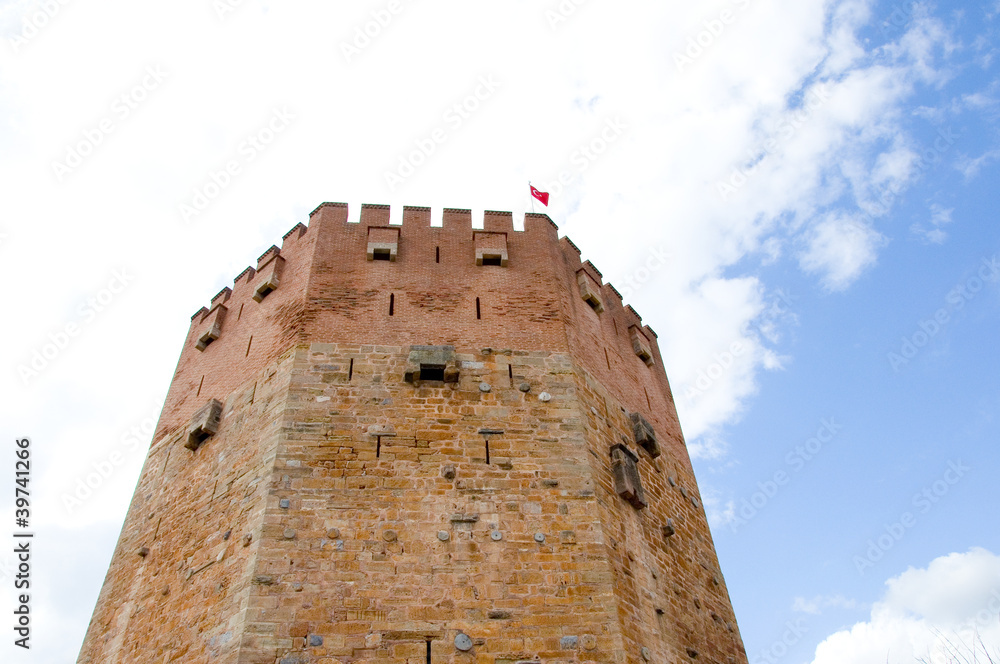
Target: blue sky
{"x": 800, "y": 198}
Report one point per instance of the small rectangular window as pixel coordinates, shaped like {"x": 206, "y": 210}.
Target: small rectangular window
{"x": 432, "y": 372}
{"x": 381, "y": 255}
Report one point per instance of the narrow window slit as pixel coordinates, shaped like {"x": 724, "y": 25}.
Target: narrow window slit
{"x": 248, "y": 346}
{"x": 510, "y": 374}
{"x": 647, "y": 398}
{"x": 240, "y": 314}
{"x": 253, "y": 394}
{"x": 392, "y": 303}
{"x": 606, "y": 358}
{"x": 428, "y": 652}
{"x": 350, "y": 371}
{"x": 487, "y": 451}
{"x": 437, "y": 259}
{"x": 199, "y": 386}
{"x": 479, "y": 313}
{"x": 378, "y": 447}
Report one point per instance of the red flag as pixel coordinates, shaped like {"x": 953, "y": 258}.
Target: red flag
{"x": 542, "y": 196}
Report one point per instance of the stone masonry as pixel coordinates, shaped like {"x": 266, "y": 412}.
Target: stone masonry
{"x": 416, "y": 444}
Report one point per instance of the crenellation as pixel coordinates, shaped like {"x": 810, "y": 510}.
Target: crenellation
{"x": 297, "y": 231}
{"x": 222, "y": 297}
{"x": 267, "y": 256}
{"x": 248, "y": 273}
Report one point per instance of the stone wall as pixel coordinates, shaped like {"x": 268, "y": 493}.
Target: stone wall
{"x": 415, "y": 454}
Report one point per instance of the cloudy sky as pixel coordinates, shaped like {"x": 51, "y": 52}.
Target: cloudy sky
{"x": 799, "y": 196}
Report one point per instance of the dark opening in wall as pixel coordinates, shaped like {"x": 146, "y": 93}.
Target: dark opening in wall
{"x": 350, "y": 371}
{"x": 487, "y": 451}
{"x": 606, "y": 358}
{"x": 199, "y": 386}
{"x": 392, "y": 303}
{"x": 248, "y": 346}
{"x": 428, "y": 652}
{"x": 595, "y": 305}
{"x": 510, "y": 374}
{"x": 492, "y": 260}
{"x": 264, "y": 292}
{"x": 437, "y": 259}
{"x": 432, "y": 372}
{"x": 240, "y": 314}
{"x": 479, "y": 314}
{"x": 378, "y": 446}
{"x": 381, "y": 255}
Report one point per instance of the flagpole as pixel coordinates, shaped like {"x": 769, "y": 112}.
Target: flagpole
{"x": 531, "y": 197}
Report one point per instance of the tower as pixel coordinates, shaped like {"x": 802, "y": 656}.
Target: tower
{"x": 412, "y": 444}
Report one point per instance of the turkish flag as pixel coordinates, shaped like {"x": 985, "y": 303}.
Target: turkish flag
{"x": 541, "y": 196}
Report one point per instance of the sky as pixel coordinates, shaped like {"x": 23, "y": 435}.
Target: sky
{"x": 799, "y": 197}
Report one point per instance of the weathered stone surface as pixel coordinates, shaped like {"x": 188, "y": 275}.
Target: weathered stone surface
{"x": 326, "y": 364}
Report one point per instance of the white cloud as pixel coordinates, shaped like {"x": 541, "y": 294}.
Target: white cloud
{"x": 932, "y": 233}
{"x": 818, "y": 107}
{"x": 955, "y": 597}
{"x": 839, "y": 248}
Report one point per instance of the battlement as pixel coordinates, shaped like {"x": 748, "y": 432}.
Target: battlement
{"x": 418, "y": 224}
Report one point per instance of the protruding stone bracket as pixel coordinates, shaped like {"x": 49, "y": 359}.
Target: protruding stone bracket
{"x": 269, "y": 270}
{"x": 436, "y": 363}
{"x": 211, "y": 326}
{"x": 205, "y": 423}
{"x": 491, "y": 248}
{"x": 383, "y": 243}
{"x": 640, "y": 344}
{"x": 644, "y": 435}
{"x": 590, "y": 290}
{"x": 624, "y": 467}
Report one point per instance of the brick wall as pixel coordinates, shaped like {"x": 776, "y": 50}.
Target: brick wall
{"x": 361, "y": 509}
